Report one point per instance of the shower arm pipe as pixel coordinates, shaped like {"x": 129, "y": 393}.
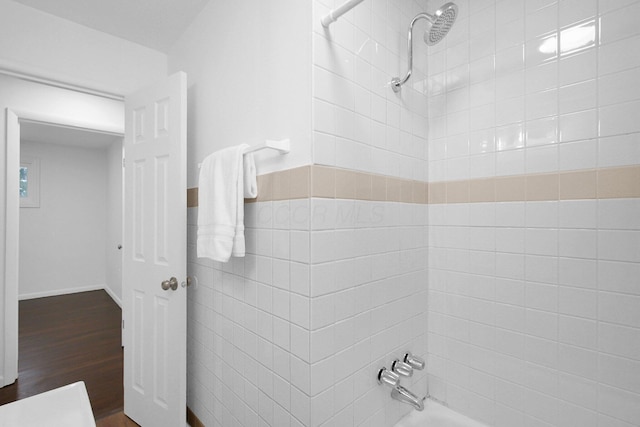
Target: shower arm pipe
{"x": 397, "y": 82}
{"x": 336, "y": 13}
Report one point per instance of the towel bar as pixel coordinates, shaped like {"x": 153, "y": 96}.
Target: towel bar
{"x": 283, "y": 147}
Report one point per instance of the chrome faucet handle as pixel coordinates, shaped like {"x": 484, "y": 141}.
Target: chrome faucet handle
{"x": 402, "y": 368}
{"x": 386, "y": 377}
{"x": 414, "y": 361}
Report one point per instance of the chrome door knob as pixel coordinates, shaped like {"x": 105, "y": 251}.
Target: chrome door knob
{"x": 170, "y": 284}
{"x": 386, "y": 377}
{"x": 414, "y": 361}
{"x": 402, "y": 368}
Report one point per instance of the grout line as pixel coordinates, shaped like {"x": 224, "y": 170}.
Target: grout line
{"x": 598, "y": 203}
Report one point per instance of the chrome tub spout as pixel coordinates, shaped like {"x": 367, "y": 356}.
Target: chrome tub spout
{"x": 403, "y": 395}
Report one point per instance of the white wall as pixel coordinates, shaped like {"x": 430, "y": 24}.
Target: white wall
{"x": 45, "y": 45}
{"x": 21, "y": 95}
{"x": 114, "y": 221}
{"x": 62, "y": 243}
{"x": 249, "y": 76}
{"x": 534, "y": 305}
{"x": 292, "y": 334}
{"x": 295, "y": 333}
{"x": 40, "y": 44}
{"x": 359, "y": 123}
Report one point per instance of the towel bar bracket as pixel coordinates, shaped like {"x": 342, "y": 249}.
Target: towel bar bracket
{"x": 283, "y": 146}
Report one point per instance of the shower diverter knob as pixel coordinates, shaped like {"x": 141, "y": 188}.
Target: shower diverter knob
{"x": 414, "y": 361}
{"x": 402, "y": 368}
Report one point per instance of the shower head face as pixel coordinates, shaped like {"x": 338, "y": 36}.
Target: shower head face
{"x": 441, "y": 23}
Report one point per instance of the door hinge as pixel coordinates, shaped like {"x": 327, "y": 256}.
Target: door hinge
{"x": 122, "y": 323}
{"x": 123, "y": 162}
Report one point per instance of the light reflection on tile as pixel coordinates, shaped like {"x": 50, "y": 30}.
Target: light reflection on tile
{"x": 510, "y": 137}
{"x": 578, "y": 38}
{"x": 542, "y": 131}
{"x": 547, "y": 46}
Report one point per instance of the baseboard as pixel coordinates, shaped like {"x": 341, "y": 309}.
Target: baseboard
{"x": 57, "y": 292}
{"x": 192, "y": 419}
{"x": 60, "y": 292}
{"x": 113, "y": 296}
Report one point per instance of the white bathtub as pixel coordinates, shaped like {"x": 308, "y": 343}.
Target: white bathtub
{"x": 67, "y": 406}
{"x": 436, "y": 415}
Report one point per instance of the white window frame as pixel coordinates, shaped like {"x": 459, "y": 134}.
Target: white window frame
{"x": 33, "y": 182}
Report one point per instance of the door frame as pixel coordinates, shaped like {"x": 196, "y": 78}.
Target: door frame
{"x": 14, "y": 116}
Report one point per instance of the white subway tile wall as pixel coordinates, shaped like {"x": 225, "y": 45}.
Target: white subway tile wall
{"x": 294, "y": 333}
{"x": 548, "y": 297}
{"x": 369, "y": 267}
{"x": 534, "y": 306}
{"x": 359, "y": 123}
{"x": 527, "y": 311}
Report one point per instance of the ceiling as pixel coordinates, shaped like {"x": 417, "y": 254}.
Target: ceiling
{"x": 156, "y": 24}
{"x": 50, "y": 134}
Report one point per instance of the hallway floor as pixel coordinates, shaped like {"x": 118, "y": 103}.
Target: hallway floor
{"x": 69, "y": 338}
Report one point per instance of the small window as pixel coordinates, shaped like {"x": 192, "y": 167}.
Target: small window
{"x": 29, "y": 183}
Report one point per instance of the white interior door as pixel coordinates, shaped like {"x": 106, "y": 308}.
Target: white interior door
{"x": 155, "y": 251}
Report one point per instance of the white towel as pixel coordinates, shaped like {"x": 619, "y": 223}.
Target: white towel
{"x": 250, "y": 180}
{"x": 221, "y": 203}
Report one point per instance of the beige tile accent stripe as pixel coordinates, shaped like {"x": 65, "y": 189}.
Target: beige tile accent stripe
{"x": 605, "y": 183}
{"x": 331, "y": 183}
{"x": 334, "y": 183}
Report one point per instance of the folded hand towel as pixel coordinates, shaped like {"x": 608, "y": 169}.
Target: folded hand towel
{"x": 221, "y": 204}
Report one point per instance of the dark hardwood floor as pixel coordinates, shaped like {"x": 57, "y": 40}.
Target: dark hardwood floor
{"x": 116, "y": 420}
{"x": 69, "y": 338}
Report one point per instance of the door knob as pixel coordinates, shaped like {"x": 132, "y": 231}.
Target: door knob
{"x": 187, "y": 282}
{"x": 170, "y": 284}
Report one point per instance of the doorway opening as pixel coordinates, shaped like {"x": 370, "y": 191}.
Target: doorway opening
{"x": 65, "y": 207}
{"x": 154, "y": 250}
{"x": 71, "y": 224}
